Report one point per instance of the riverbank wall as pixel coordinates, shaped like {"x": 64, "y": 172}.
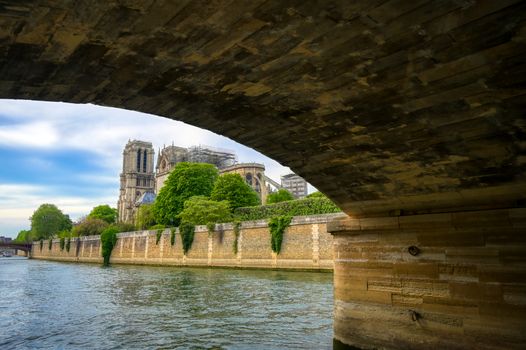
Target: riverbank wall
{"x": 306, "y": 245}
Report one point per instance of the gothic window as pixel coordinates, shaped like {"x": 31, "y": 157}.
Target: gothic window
{"x": 163, "y": 165}
{"x": 248, "y": 179}
{"x": 144, "y": 161}
{"x": 139, "y": 160}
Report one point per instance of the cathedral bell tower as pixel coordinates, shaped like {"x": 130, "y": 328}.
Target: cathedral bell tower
{"x": 137, "y": 177}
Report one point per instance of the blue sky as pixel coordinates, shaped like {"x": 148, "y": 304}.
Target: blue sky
{"x": 71, "y": 155}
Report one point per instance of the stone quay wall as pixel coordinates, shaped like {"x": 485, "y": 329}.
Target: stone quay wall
{"x": 306, "y": 245}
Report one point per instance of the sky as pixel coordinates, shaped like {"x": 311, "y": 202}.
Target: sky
{"x": 71, "y": 155}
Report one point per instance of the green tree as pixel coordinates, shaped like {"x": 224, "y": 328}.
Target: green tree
{"x": 104, "y": 212}
{"x": 316, "y": 194}
{"x": 89, "y": 227}
{"x": 145, "y": 217}
{"x": 47, "y": 221}
{"x": 232, "y": 188}
{"x": 185, "y": 181}
{"x": 200, "y": 210}
{"x": 23, "y": 236}
{"x": 281, "y": 195}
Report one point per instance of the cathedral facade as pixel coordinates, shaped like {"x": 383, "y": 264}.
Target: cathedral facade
{"x": 137, "y": 180}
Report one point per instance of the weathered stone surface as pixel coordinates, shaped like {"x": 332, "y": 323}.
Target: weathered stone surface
{"x": 383, "y": 105}
{"x": 468, "y": 293}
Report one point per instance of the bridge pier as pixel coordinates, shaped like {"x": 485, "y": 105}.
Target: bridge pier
{"x": 454, "y": 280}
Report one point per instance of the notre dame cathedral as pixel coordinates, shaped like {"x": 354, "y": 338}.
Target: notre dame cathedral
{"x": 139, "y": 183}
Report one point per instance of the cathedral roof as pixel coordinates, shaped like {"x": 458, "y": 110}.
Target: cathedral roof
{"x": 172, "y": 154}
{"x": 147, "y": 197}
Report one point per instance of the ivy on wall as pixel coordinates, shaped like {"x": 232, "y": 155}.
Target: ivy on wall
{"x": 277, "y": 226}
{"x": 108, "y": 239}
{"x": 300, "y": 207}
{"x": 158, "y": 236}
{"x": 68, "y": 244}
{"x": 187, "y": 231}
{"x": 41, "y": 244}
{"x": 236, "y": 227}
{"x": 172, "y": 236}
{"x": 50, "y": 244}
{"x": 62, "y": 243}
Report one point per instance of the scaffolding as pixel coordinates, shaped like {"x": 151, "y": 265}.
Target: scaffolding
{"x": 221, "y": 158}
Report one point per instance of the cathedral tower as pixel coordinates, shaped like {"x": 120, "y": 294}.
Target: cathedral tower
{"x": 137, "y": 177}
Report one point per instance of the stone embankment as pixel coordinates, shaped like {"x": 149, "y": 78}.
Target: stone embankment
{"x": 306, "y": 245}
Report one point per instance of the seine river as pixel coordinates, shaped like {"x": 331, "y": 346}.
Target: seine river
{"x": 49, "y": 305}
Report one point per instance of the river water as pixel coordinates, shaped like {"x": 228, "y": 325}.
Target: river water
{"x": 50, "y": 305}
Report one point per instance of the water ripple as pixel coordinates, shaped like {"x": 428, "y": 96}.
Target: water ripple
{"x": 49, "y": 305}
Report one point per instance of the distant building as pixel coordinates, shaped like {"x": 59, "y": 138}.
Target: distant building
{"x": 5, "y": 239}
{"x": 136, "y": 179}
{"x": 295, "y": 185}
{"x": 168, "y": 158}
{"x": 253, "y": 174}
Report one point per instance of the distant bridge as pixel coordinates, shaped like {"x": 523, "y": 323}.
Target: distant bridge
{"x": 16, "y": 245}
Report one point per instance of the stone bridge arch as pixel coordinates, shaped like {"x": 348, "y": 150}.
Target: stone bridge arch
{"x": 408, "y": 114}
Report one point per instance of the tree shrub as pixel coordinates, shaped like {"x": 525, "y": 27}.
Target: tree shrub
{"x": 47, "y": 220}
{"x": 185, "y": 181}
{"x": 145, "y": 217}
{"x": 108, "y": 239}
{"x": 89, "y": 227}
{"x": 299, "y": 207}
{"x": 232, "y": 188}
{"x": 104, "y": 212}
{"x": 62, "y": 243}
{"x": 281, "y": 195}
{"x": 24, "y": 236}
{"x": 200, "y": 210}
{"x": 277, "y": 226}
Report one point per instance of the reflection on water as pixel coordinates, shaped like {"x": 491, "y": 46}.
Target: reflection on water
{"x": 48, "y": 305}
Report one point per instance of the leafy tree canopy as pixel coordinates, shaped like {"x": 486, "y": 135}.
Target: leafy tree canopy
{"x": 281, "y": 195}
{"x": 145, "y": 217}
{"x": 104, "y": 212}
{"x": 47, "y": 221}
{"x": 232, "y": 188}
{"x": 185, "y": 181}
{"x": 23, "y": 236}
{"x": 316, "y": 194}
{"x": 200, "y": 210}
{"x": 90, "y": 227}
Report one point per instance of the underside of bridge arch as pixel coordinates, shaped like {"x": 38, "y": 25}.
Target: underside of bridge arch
{"x": 397, "y": 110}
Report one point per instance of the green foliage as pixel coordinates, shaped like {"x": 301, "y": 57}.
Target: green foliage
{"x": 157, "y": 227}
{"x": 90, "y": 227}
{"x": 47, "y": 220}
{"x": 145, "y": 217}
{"x": 187, "y": 231}
{"x": 235, "y": 247}
{"x": 41, "y": 244}
{"x": 172, "y": 236}
{"x": 281, "y": 195}
{"x": 124, "y": 227}
{"x": 199, "y": 210}
{"x": 158, "y": 236}
{"x": 104, "y": 212}
{"x": 307, "y": 206}
{"x": 68, "y": 244}
{"x": 316, "y": 194}
{"x": 277, "y": 226}
{"x": 185, "y": 181}
{"x": 64, "y": 234}
{"x": 108, "y": 239}
{"x": 24, "y": 236}
{"x": 62, "y": 243}
{"x": 50, "y": 244}
{"x": 232, "y": 188}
